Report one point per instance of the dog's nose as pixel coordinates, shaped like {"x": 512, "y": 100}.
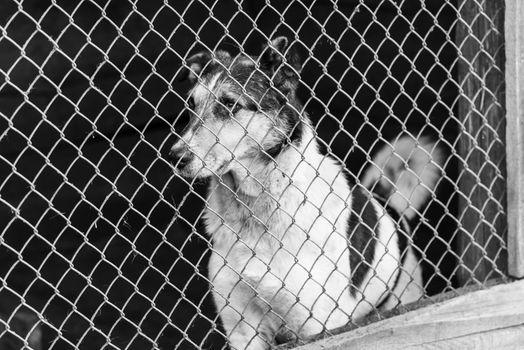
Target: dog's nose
{"x": 179, "y": 158}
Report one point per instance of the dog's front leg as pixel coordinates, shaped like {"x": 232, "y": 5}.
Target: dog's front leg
{"x": 289, "y": 305}
{"x": 249, "y": 330}
{"x": 247, "y": 320}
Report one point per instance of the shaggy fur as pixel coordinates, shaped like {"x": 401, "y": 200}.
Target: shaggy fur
{"x": 296, "y": 249}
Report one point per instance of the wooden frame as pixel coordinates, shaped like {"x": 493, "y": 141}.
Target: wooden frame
{"x": 482, "y": 177}
{"x": 486, "y": 319}
{"x": 514, "y": 28}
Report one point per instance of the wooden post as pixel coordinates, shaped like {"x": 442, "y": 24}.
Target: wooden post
{"x": 481, "y": 144}
{"x": 515, "y": 134}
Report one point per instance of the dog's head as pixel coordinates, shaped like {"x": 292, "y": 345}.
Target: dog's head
{"x": 243, "y": 110}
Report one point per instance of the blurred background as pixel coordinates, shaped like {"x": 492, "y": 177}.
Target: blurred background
{"x": 97, "y": 234}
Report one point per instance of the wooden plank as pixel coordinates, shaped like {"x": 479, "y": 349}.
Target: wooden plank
{"x": 485, "y": 319}
{"x": 481, "y": 142}
{"x": 515, "y": 134}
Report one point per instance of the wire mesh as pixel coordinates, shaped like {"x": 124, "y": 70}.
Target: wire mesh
{"x": 103, "y": 246}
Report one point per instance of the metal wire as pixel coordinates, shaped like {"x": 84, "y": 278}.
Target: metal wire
{"x": 103, "y": 247}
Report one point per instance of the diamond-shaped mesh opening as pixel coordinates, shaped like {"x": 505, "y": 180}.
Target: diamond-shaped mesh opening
{"x": 105, "y": 245}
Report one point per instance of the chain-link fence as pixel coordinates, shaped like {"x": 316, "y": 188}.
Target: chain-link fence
{"x": 103, "y": 246}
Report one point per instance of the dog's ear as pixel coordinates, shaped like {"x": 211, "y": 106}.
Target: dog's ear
{"x": 197, "y": 64}
{"x": 281, "y": 62}
{"x": 194, "y": 66}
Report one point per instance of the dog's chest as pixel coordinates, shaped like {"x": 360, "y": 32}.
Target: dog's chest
{"x": 258, "y": 222}
{"x": 275, "y": 229}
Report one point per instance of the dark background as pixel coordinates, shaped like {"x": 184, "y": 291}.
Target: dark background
{"x": 96, "y": 234}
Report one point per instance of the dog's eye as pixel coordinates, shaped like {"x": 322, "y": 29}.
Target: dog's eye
{"x": 231, "y": 104}
{"x": 191, "y": 103}
{"x": 228, "y": 103}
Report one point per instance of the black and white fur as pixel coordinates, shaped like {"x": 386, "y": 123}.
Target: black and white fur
{"x": 296, "y": 248}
